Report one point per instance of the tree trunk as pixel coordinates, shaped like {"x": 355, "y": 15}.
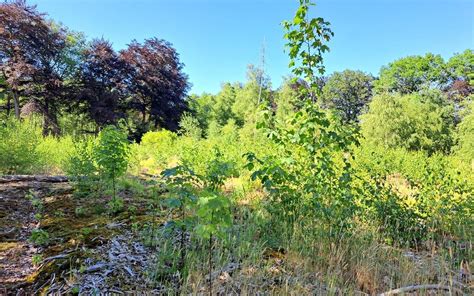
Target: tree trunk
{"x": 144, "y": 116}
{"x": 16, "y": 102}
{"x": 50, "y": 122}
{"x": 9, "y": 104}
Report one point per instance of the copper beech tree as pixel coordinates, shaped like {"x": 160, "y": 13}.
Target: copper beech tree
{"x": 156, "y": 83}
{"x": 47, "y": 69}
{"x": 31, "y": 49}
{"x": 103, "y": 89}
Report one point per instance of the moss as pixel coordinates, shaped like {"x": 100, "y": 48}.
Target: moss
{"x": 47, "y": 268}
{"x": 9, "y": 245}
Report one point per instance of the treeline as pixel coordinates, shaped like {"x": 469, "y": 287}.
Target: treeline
{"x": 48, "y": 69}
{"x": 80, "y": 86}
{"x": 417, "y": 102}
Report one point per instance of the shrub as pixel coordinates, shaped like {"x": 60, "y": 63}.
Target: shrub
{"x": 111, "y": 154}
{"x": 310, "y": 178}
{"x": 54, "y": 153}
{"x": 189, "y": 126}
{"x": 23, "y": 149}
{"x": 465, "y": 137}
{"x": 414, "y": 197}
{"x": 99, "y": 162}
{"x": 19, "y": 140}
{"x": 82, "y": 169}
{"x": 414, "y": 122}
{"x": 153, "y": 153}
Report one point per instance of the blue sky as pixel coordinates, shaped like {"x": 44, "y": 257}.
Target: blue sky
{"x": 217, "y": 39}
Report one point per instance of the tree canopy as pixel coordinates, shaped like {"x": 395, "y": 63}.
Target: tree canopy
{"x": 420, "y": 121}
{"x": 348, "y": 92}
{"x": 47, "y": 69}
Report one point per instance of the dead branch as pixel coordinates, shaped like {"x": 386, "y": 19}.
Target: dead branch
{"x": 64, "y": 255}
{"x": 414, "y": 288}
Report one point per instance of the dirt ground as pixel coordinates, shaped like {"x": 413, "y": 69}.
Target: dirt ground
{"x": 87, "y": 252}
{"x": 17, "y": 221}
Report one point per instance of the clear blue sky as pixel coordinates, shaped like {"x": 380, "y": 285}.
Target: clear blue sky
{"x": 216, "y": 39}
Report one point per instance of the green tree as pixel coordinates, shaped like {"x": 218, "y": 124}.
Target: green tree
{"x": 461, "y": 66}
{"x": 460, "y": 69}
{"x": 412, "y": 74}
{"x": 189, "y": 126}
{"x": 287, "y": 99}
{"x": 415, "y": 122}
{"x": 306, "y": 44}
{"x": 202, "y": 108}
{"x": 222, "y": 107}
{"x": 111, "y": 153}
{"x": 348, "y": 92}
{"x": 465, "y": 136}
{"x": 255, "y": 91}
{"x": 311, "y": 174}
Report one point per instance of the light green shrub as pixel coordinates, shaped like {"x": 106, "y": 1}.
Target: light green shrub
{"x": 415, "y": 122}
{"x": 153, "y": 153}
{"x": 18, "y": 143}
{"x": 54, "y": 153}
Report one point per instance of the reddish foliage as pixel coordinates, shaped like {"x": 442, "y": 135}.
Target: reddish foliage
{"x": 30, "y": 49}
{"x": 144, "y": 80}
{"x": 156, "y": 82}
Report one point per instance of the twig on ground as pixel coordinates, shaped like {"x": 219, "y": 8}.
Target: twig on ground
{"x": 420, "y": 287}
{"x": 60, "y": 256}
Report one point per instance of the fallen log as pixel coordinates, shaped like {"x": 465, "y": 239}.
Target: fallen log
{"x": 33, "y": 178}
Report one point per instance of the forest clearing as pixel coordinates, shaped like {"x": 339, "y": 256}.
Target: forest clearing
{"x": 115, "y": 180}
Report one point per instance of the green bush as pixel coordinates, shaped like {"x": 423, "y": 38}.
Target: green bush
{"x": 414, "y": 197}
{"x": 97, "y": 163}
{"x": 54, "y": 153}
{"x": 310, "y": 178}
{"x": 82, "y": 169}
{"x": 18, "y": 146}
{"x": 415, "y": 122}
{"x": 465, "y": 137}
{"x": 111, "y": 154}
{"x": 153, "y": 153}
{"x": 39, "y": 237}
{"x": 23, "y": 149}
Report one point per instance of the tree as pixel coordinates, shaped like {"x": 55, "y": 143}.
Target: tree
{"x": 348, "y": 92}
{"x": 256, "y": 91}
{"x": 36, "y": 60}
{"x": 306, "y": 44}
{"x": 223, "y": 102}
{"x": 156, "y": 82}
{"x": 111, "y": 154}
{"x": 311, "y": 176}
{"x": 421, "y": 121}
{"x": 460, "y": 68}
{"x": 202, "y": 108}
{"x": 412, "y": 74}
{"x": 102, "y": 76}
{"x": 17, "y": 39}
{"x": 288, "y": 100}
